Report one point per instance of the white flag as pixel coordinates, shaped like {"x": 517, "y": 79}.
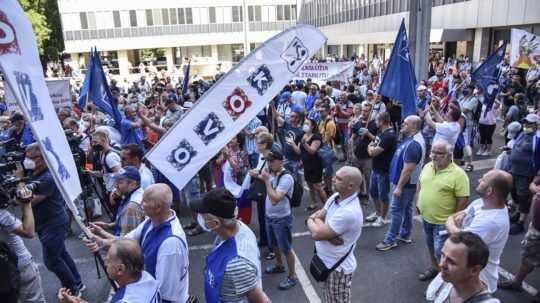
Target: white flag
{"x": 341, "y": 71}
{"x": 228, "y": 106}
{"x": 19, "y": 62}
{"x": 524, "y": 47}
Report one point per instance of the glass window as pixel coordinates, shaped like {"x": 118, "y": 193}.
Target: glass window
{"x": 212, "y": 14}
{"x": 158, "y": 20}
{"x": 165, "y": 15}
{"x": 206, "y": 51}
{"x": 132, "y": 18}
{"x": 173, "y": 16}
{"x": 279, "y": 12}
{"x": 293, "y": 12}
{"x": 254, "y": 13}
{"x": 189, "y": 15}
{"x": 287, "y": 14}
{"x": 237, "y": 52}
{"x": 181, "y": 16}
{"x": 84, "y": 20}
{"x": 116, "y": 17}
{"x": 237, "y": 14}
{"x": 91, "y": 20}
{"x": 149, "y": 18}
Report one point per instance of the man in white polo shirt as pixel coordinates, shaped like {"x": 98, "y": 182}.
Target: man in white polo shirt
{"x": 335, "y": 229}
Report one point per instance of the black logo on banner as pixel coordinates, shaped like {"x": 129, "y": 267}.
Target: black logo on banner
{"x": 261, "y": 79}
{"x": 295, "y": 55}
{"x": 209, "y": 128}
{"x": 236, "y": 103}
{"x": 181, "y": 155}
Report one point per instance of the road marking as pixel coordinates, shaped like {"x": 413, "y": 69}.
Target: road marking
{"x": 305, "y": 282}
{"x": 527, "y": 287}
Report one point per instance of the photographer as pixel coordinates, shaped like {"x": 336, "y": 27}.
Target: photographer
{"x": 51, "y": 221}
{"x": 20, "y": 131}
{"x": 109, "y": 160}
{"x": 28, "y": 288}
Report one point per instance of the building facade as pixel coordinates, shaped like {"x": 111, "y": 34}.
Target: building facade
{"x": 165, "y": 32}
{"x": 468, "y": 27}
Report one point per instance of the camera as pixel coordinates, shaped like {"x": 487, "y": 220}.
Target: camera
{"x": 9, "y": 185}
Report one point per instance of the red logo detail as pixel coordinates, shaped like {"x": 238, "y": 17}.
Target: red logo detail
{"x": 8, "y": 36}
{"x": 237, "y": 103}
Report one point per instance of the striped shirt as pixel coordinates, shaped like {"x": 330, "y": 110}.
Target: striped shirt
{"x": 239, "y": 278}
{"x": 249, "y": 143}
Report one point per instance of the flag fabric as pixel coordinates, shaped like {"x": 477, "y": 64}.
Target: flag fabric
{"x": 399, "y": 81}
{"x": 232, "y": 102}
{"x": 487, "y": 76}
{"x": 185, "y": 81}
{"x": 524, "y": 47}
{"x": 96, "y": 89}
{"x": 23, "y": 73}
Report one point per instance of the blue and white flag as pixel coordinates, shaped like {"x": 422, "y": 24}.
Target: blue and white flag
{"x": 96, "y": 89}
{"x": 185, "y": 81}
{"x": 487, "y": 76}
{"x": 399, "y": 81}
{"x": 19, "y": 62}
{"x": 230, "y": 104}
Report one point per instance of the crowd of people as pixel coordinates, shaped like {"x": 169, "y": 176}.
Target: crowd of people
{"x": 348, "y": 144}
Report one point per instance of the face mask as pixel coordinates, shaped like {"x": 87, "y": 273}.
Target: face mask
{"x": 528, "y": 130}
{"x": 98, "y": 147}
{"x": 29, "y": 164}
{"x": 202, "y": 223}
{"x": 306, "y": 128}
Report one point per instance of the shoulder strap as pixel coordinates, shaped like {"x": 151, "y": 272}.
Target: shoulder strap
{"x": 479, "y": 298}
{"x": 262, "y": 166}
{"x": 285, "y": 172}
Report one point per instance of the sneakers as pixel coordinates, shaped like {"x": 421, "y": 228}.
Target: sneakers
{"x": 372, "y": 217}
{"x": 385, "y": 246}
{"x": 403, "y": 240}
{"x": 379, "y": 222}
{"x": 289, "y": 283}
{"x": 480, "y": 152}
{"x": 274, "y": 270}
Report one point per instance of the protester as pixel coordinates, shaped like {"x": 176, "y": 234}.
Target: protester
{"x": 132, "y": 155}
{"x": 313, "y": 166}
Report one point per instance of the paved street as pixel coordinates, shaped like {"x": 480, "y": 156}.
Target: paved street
{"x": 381, "y": 276}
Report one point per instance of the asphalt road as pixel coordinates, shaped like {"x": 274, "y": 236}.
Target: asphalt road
{"x": 380, "y": 277}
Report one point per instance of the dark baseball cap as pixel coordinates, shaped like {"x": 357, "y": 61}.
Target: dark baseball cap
{"x": 128, "y": 172}
{"x": 218, "y": 202}
{"x": 274, "y": 154}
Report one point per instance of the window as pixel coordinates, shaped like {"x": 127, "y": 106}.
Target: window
{"x": 149, "y": 18}
{"x": 116, "y": 17}
{"x": 173, "y": 17}
{"x": 212, "y": 14}
{"x": 254, "y": 13}
{"x": 279, "y": 12}
{"x": 84, "y": 20}
{"x": 293, "y": 12}
{"x": 158, "y": 20}
{"x": 189, "y": 15}
{"x": 165, "y": 15}
{"x": 237, "y": 52}
{"x": 206, "y": 51}
{"x": 237, "y": 14}
{"x": 181, "y": 16}
{"x": 287, "y": 13}
{"x": 133, "y": 18}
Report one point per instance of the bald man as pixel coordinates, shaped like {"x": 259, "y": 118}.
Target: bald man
{"x": 487, "y": 217}
{"x": 163, "y": 243}
{"x": 335, "y": 229}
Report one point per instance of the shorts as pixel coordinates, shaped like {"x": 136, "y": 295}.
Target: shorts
{"x": 379, "y": 188}
{"x": 279, "y": 232}
{"x": 530, "y": 248}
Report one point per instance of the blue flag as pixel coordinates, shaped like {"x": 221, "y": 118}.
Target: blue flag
{"x": 487, "y": 76}
{"x": 185, "y": 81}
{"x": 399, "y": 81}
{"x": 96, "y": 89}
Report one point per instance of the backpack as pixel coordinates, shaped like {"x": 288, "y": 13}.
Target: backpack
{"x": 9, "y": 272}
{"x": 298, "y": 190}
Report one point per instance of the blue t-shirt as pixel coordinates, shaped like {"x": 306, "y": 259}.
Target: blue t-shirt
{"x": 51, "y": 212}
{"x": 129, "y": 133}
{"x": 409, "y": 151}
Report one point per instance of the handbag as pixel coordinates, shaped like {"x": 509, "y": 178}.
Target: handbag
{"x": 257, "y": 188}
{"x": 318, "y": 269}
{"x": 327, "y": 155}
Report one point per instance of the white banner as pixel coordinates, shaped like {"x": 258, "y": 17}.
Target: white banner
{"x": 341, "y": 71}
{"x": 228, "y": 106}
{"x": 19, "y": 62}
{"x": 59, "y": 91}
{"x": 524, "y": 46}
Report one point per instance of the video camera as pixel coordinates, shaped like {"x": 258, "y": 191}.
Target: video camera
{"x": 10, "y": 186}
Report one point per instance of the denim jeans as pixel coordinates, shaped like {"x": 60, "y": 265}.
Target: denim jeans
{"x": 56, "y": 257}
{"x": 280, "y": 233}
{"x": 401, "y": 213}
{"x": 434, "y": 239}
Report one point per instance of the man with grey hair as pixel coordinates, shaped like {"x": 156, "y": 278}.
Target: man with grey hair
{"x": 131, "y": 127}
{"x": 443, "y": 190}
{"x": 163, "y": 242}
{"x": 335, "y": 229}
{"x": 124, "y": 264}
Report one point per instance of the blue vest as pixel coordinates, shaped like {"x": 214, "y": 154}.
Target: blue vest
{"x": 396, "y": 166}
{"x": 219, "y": 257}
{"x": 145, "y": 290}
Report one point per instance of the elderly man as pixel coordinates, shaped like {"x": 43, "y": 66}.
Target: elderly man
{"x": 124, "y": 264}
{"x": 233, "y": 267}
{"x": 335, "y": 229}
{"x": 405, "y": 169}
{"x": 131, "y": 127}
{"x": 488, "y": 218}
{"x": 443, "y": 189}
{"x": 163, "y": 243}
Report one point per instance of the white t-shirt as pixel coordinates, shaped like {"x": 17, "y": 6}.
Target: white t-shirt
{"x": 147, "y": 178}
{"x": 8, "y": 223}
{"x": 345, "y": 218}
{"x": 112, "y": 159}
{"x": 447, "y": 131}
{"x": 492, "y": 225}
